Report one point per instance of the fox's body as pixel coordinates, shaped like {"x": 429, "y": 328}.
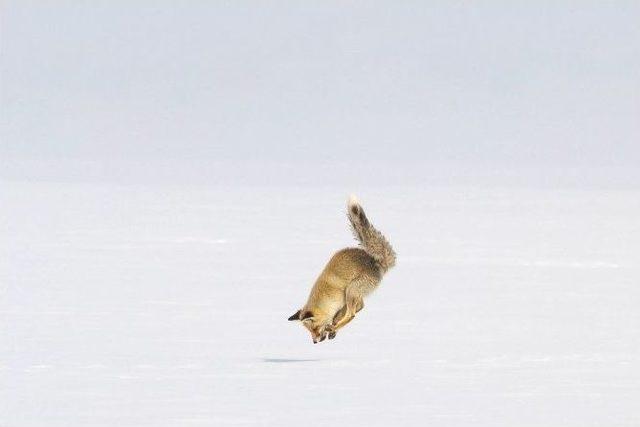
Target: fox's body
{"x": 328, "y": 296}
{"x": 349, "y": 276}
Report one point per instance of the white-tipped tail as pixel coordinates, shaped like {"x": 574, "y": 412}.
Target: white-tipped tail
{"x": 369, "y": 237}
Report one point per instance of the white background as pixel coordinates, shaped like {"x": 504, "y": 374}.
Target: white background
{"x": 174, "y": 177}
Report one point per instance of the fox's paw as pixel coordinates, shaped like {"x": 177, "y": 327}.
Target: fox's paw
{"x": 330, "y": 330}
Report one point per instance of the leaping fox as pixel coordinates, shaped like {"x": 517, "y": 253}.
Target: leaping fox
{"x": 349, "y": 276}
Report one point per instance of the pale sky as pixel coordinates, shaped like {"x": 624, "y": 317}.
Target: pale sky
{"x": 398, "y": 84}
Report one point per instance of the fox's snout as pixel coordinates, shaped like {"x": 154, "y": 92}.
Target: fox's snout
{"x": 318, "y": 338}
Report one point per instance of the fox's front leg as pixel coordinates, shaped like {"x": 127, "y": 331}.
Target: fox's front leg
{"x": 331, "y": 332}
{"x": 339, "y": 315}
{"x": 325, "y": 332}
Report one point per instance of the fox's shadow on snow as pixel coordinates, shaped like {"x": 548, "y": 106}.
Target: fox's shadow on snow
{"x": 277, "y": 360}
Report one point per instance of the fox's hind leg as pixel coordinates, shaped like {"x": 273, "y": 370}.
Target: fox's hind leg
{"x": 354, "y": 304}
{"x": 354, "y": 297}
{"x": 339, "y": 315}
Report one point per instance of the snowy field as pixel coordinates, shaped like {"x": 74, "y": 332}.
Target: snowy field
{"x": 167, "y": 306}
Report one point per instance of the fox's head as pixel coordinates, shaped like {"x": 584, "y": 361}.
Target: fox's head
{"x": 313, "y": 324}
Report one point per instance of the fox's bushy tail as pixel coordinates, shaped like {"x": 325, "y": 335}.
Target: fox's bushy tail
{"x": 370, "y": 239}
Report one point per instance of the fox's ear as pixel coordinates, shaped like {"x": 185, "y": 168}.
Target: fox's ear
{"x": 295, "y": 316}
{"x": 306, "y": 315}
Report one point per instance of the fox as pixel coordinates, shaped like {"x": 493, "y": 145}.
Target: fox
{"x": 350, "y": 275}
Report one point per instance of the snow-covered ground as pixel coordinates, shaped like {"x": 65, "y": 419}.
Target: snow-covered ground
{"x": 167, "y": 306}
